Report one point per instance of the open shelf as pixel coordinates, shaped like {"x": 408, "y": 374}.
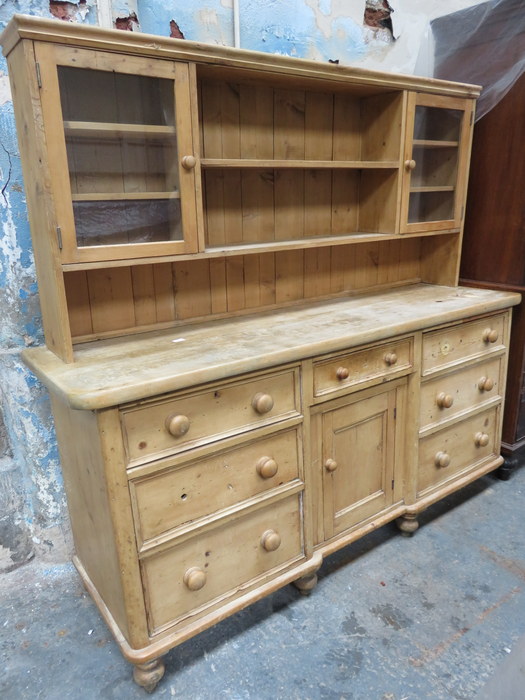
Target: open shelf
{"x": 304, "y": 164}
{"x": 256, "y": 249}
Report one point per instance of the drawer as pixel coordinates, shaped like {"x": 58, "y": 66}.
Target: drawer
{"x": 362, "y": 366}
{"x": 447, "y": 453}
{"x": 211, "y": 567}
{"x": 450, "y": 394}
{"x": 193, "y": 418}
{"x": 449, "y": 346}
{"x": 183, "y": 494}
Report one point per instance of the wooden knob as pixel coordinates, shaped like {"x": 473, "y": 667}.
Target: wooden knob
{"x": 444, "y": 400}
{"x": 342, "y": 373}
{"x": 262, "y": 403}
{"x": 188, "y": 162}
{"x": 330, "y": 465}
{"x": 177, "y": 425}
{"x": 390, "y": 358}
{"x": 486, "y": 384}
{"x": 490, "y": 335}
{"x": 442, "y": 459}
{"x": 270, "y": 540}
{"x": 194, "y": 578}
{"x": 410, "y": 165}
{"x": 266, "y": 467}
{"x": 481, "y": 439}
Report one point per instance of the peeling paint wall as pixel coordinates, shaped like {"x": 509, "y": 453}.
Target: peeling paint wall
{"x": 33, "y": 513}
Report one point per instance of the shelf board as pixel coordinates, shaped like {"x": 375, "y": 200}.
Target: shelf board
{"x": 254, "y": 248}
{"x": 269, "y": 164}
{"x": 442, "y": 188}
{"x": 114, "y": 130}
{"x": 122, "y": 196}
{"x": 429, "y": 143}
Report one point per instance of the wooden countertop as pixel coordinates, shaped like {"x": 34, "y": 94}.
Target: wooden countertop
{"x": 111, "y": 372}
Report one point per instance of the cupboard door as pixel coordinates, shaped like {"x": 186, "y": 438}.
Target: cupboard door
{"x": 358, "y": 460}
{"x": 436, "y": 161}
{"x": 121, "y": 153}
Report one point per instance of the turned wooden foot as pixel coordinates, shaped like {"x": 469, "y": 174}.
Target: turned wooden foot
{"x": 407, "y": 524}
{"x": 147, "y": 675}
{"x": 306, "y": 584}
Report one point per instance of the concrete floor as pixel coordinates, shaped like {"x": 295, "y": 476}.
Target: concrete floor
{"x": 440, "y": 615}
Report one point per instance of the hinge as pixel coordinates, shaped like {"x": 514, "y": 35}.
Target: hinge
{"x": 59, "y": 237}
{"x": 38, "y": 76}
{"x": 395, "y": 412}
{"x": 392, "y": 484}
{"x": 471, "y": 117}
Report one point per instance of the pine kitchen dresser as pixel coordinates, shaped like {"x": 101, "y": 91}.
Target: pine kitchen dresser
{"x": 256, "y": 348}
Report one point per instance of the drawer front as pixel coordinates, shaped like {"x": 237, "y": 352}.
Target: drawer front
{"x": 215, "y": 564}
{"x": 166, "y": 500}
{"x": 191, "y": 419}
{"x": 449, "y": 394}
{"x": 445, "y": 454}
{"x": 451, "y": 345}
{"x": 356, "y": 368}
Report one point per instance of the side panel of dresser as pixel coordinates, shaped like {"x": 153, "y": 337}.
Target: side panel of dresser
{"x": 93, "y": 465}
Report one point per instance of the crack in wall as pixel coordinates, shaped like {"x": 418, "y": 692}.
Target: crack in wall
{"x": 4, "y": 188}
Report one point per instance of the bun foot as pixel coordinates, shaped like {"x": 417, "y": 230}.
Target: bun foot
{"x": 147, "y": 675}
{"x": 306, "y": 584}
{"x": 407, "y": 524}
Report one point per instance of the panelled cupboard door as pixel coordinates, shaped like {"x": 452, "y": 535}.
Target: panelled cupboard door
{"x": 121, "y": 153}
{"x": 437, "y": 148}
{"x": 358, "y": 460}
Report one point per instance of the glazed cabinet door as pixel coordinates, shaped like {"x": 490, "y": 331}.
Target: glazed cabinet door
{"x": 358, "y": 459}
{"x": 119, "y": 136}
{"x": 436, "y": 158}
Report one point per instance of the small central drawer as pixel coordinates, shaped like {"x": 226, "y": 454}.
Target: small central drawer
{"x": 447, "y": 453}
{"x": 183, "y": 494}
{"x": 190, "y": 419}
{"x": 213, "y": 566}
{"x": 449, "y": 394}
{"x": 362, "y": 366}
{"x": 448, "y": 346}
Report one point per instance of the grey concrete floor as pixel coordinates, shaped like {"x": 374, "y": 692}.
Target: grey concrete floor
{"x": 440, "y": 615}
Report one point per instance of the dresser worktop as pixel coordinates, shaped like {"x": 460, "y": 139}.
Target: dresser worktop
{"x": 110, "y": 372}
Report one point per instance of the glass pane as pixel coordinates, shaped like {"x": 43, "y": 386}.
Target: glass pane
{"x": 121, "y": 149}
{"x": 130, "y": 221}
{"x": 102, "y": 96}
{"x": 437, "y": 124}
{"x": 431, "y": 206}
{"x": 435, "y": 167}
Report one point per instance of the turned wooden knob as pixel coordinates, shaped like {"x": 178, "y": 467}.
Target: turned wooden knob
{"x": 270, "y": 540}
{"x": 194, "y": 578}
{"x": 481, "y": 439}
{"x": 410, "y": 165}
{"x": 342, "y": 373}
{"x": 266, "y": 467}
{"x": 188, "y": 162}
{"x": 177, "y": 425}
{"x": 442, "y": 459}
{"x": 444, "y": 400}
{"x": 486, "y": 384}
{"x": 330, "y": 465}
{"x": 490, "y": 335}
{"x": 262, "y": 403}
{"x": 390, "y": 358}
